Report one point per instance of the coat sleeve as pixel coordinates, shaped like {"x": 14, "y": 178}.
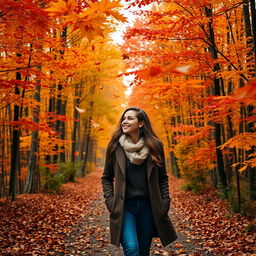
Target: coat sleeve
{"x": 163, "y": 179}
{"x": 107, "y": 180}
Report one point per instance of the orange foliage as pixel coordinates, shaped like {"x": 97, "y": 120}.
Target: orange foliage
{"x": 51, "y": 58}
{"x": 177, "y": 34}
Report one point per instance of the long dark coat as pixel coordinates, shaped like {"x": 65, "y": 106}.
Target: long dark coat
{"x": 114, "y": 182}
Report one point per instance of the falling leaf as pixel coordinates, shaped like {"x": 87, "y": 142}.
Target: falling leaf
{"x": 150, "y": 72}
{"x": 80, "y": 110}
{"x": 156, "y": 70}
{"x": 183, "y": 69}
{"x": 125, "y": 56}
{"x": 94, "y": 124}
{"x": 248, "y": 91}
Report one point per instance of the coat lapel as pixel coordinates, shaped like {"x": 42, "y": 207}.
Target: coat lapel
{"x": 120, "y": 158}
{"x": 150, "y": 166}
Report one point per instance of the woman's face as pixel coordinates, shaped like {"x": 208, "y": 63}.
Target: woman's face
{"x": 130, "y": 123}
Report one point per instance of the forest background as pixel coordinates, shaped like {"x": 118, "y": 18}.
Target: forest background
{"x": 62, "y": 90}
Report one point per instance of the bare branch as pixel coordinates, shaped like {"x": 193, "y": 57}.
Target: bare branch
{"x": 15, "y": 69}
{"x": 229, "y": 9}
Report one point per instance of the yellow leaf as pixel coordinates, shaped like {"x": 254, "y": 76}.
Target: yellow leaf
{"x": 88, "y": 23}
{"x": 61, "y": 7}
{"x": 235, "y": 164}
{"x": 243, "y": 168}
{"x": 90, "y": 12}
{"x": 117, "y": 16}
{"x": 107, "y": 7}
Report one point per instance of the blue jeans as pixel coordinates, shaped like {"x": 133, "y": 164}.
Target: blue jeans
{"x": 138, "y": 227}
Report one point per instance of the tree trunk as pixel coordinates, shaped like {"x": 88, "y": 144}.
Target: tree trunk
{"x": 250, "y": 30}
{"x": 3, "y": 136}
{"x": 15, "y": 147}
{"x": 220, "y": 164}
{"x": 57, "y": 123}
{"x": 253, "y": 17}
{"x": 51, "y": 110}
{"x": 75, "y": 126}
{"x": 82, "y": 152}
{"x": 32, "y": 174}
{"x": 59, "y": 105}
{"x": 86, "y": 148}
{"x": 62, "y": 130}
{"x": 175, "y": 167}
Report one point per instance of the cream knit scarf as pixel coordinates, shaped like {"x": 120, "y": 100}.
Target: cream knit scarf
{"x": 136, "y": 153}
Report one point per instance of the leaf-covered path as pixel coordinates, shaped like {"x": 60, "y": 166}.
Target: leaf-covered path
{"x": 75, "y": 222}
{"x": 91, "y": 237}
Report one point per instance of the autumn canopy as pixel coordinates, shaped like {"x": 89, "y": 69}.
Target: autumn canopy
{"x": 64, "y": 83}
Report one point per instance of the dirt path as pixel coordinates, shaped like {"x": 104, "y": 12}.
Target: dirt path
{"x": 75, "y": 222}
{"x": 91, "y": 237}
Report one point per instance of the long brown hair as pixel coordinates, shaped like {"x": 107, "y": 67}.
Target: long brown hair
{"x": 146, "y": 131}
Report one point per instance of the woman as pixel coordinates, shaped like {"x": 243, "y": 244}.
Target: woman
{"x": 135, "y": 186}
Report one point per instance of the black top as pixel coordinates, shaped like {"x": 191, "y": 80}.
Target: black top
{"x": 136, "y": 180}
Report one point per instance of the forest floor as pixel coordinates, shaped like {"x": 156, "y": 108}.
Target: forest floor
{"x": 75, "y": 222}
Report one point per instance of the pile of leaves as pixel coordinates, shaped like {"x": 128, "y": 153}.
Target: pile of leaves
{"x": 36, "y": 224}
{"x": 206, "y": 218}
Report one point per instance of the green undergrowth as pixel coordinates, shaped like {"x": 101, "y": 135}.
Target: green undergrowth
{"x": 191, "y": 187}
{"x": 52, "y": 181}
{"x": 228, "y": 194}
{"x": 244, "y": 207}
